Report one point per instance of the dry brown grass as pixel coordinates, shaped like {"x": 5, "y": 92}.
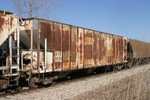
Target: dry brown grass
{"x": 136, "y": 87}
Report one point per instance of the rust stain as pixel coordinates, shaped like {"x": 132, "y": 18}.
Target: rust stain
{"x": 66, "y": 46}
{"x": 47, "y": 32}
{"x": 28, "y": 24}
{"x": 114, "y": 49}
{"x": 95, "y": 48}
{"x": 57, "y": 45}
{"x": 80, "y": 47}
{"x": 6, "y": 26}
{"x": 125, "y": 49}
{"x": 121, "y": 50}
{"x": 104, "y": 46}
{"x": 11, "y": 22}
{"x": 96, "y": 51}
{"x": 88, "y": 48}
{"x": 110, "y": 49}
{"x": 73, "y": 48}
{"x": 100, "y": 49}
{"x": 1, "y": 23}
{"x": 28, "y": 33}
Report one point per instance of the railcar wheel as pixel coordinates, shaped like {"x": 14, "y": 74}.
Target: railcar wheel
{"x": 130, "y": 64}
{"x": 3, "y": 84}
{"x": 117, "y": 68}
{"x": 32, "y": 82}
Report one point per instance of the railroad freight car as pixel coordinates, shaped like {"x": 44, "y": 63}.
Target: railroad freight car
{"x": 9, "y": 50}
{"x": 138, "y": 52}
{"x": 53, "y": 49}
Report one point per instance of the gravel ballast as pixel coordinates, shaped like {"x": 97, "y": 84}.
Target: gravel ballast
{"x": 78, "y": 87}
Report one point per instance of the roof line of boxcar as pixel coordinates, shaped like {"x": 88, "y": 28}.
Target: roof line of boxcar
{"x": 6, "y": 12}
{"x": 34, "y": 18}
{"x": 138, "y": 40}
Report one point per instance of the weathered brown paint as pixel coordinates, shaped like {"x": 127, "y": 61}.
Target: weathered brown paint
{"x": 88, "y": 48}
{"x": 66, "y": 47}
{"x": 114, "y": 49}
{"x": 96, "y": 49}
{"x": 28, "y": 24}
{"x": 76, "y": 48}
{"x": 117, "y": 50}
{"x": 109, "y": 49}
{"x": 125, "y": 49}
{"x": 57, "y": 46}
{"x": 104, "y": 52}
{"x": 8, "y": 25}
{"x": 47, "y": 31}
{"x": 100, "y": 49}
{"x": 1, "y": 23}
{"x": 73, "y": 49}
{"x": 80, "y": 47}
{"x": 121, "y": 49}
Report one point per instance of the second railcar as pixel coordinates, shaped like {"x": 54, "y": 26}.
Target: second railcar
{"x": 138, "y": 52}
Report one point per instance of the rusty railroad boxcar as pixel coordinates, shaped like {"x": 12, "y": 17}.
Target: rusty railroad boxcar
{"x": 66, "y": 47}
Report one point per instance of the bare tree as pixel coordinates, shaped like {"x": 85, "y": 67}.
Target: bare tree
{"x": 35, "y": 8}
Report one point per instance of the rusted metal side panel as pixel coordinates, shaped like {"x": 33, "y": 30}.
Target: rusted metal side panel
{"x": 121, "y": 49}
{"x": 101, "y": 47}
{"x": 88, "y": 48}
{"x": 125, "y": 50}
{"x": 66, "y": 47}
{"x": 73, "y": 48}
{"x": 47, "y": 32}
{"x": 46, "y": 29}
{"x": 80, "y": 48}
{"x": 114, "y": 49}
{"x": 8, "y": 24}
{"x": 96, "y": 48}
{"x": 109, "y": 49}
{"x": 104, "y": 45}
{"x": 117, "y": 49}
{"x": 57, "y": 53}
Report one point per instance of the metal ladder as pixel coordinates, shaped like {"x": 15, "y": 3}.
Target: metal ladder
{"x": 14, "y": 57}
